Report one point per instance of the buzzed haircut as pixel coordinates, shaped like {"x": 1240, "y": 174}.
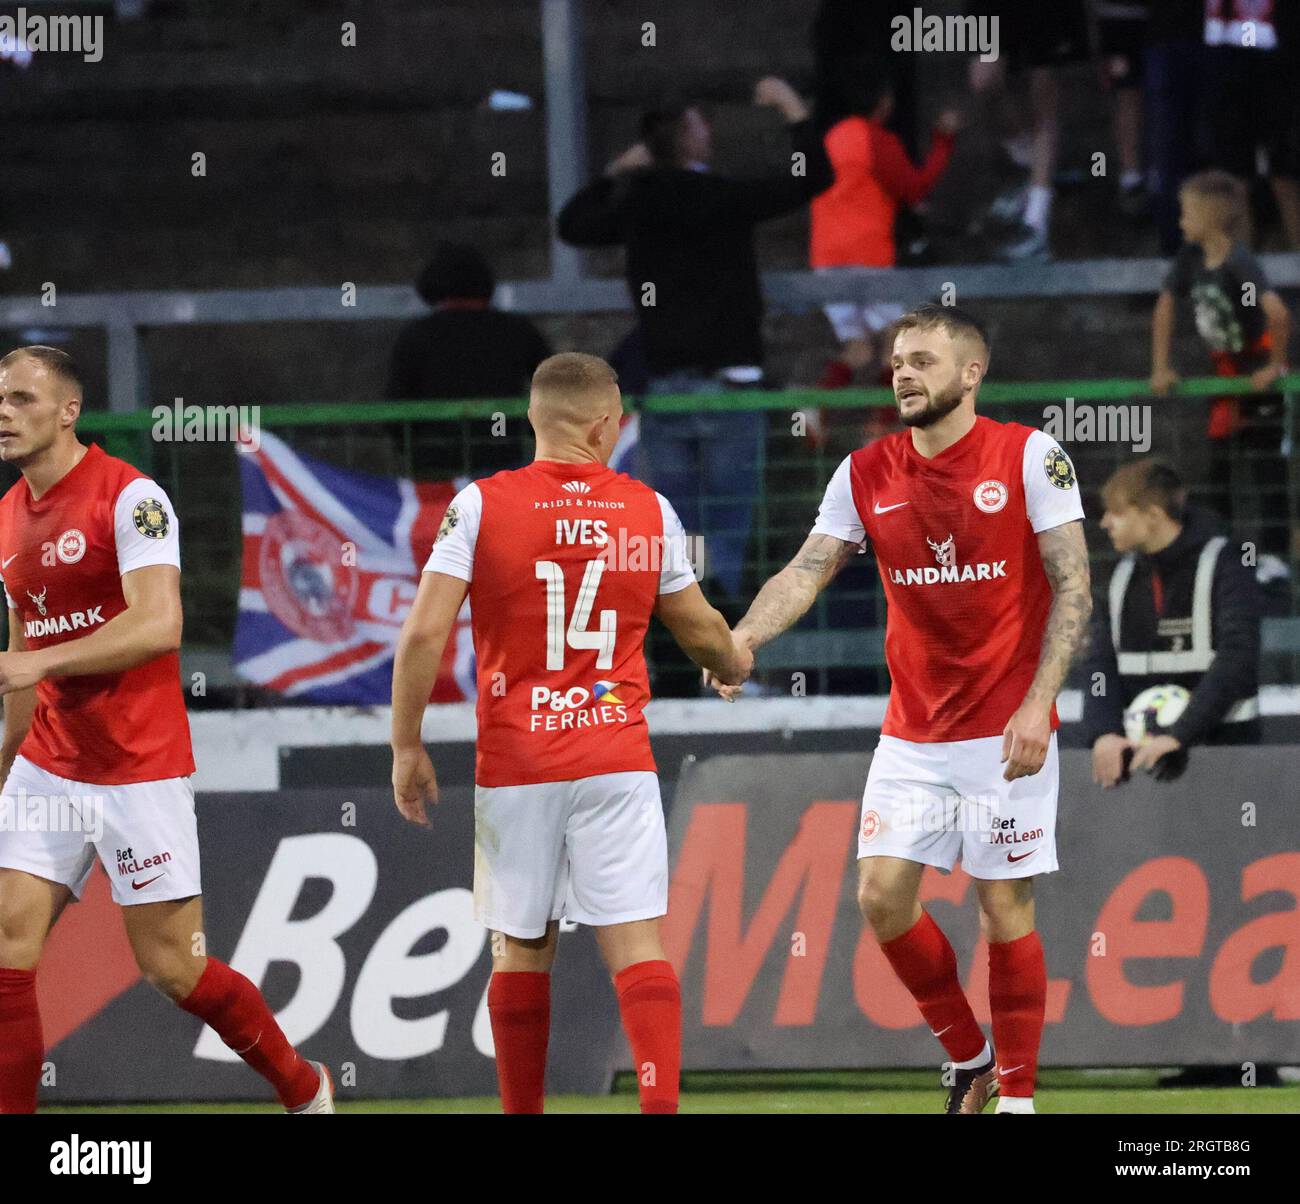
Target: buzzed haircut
{"x": 573, "y": 372}
{"x": 58, "y": 362}
{"x": 1143, "y": 483}
{"x": 570, "y": 390}
{"x": 958, "y": 323}
{"x": 1228, "y": 195}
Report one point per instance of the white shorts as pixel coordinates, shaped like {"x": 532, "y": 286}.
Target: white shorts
{"x": 933, "y": 803}
{"x": 593, "y": 851}
{"x": 145, "y": 833}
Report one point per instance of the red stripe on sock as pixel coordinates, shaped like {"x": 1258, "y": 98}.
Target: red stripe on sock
{"x": 650, "y": 1002}
{"x": 925, "y": 963}
{"x": 519, "y": 1006}
{"x": 21, "y": 1045}
{"x": 234, "y": 1008}
{"x": 1018, "y": 1000}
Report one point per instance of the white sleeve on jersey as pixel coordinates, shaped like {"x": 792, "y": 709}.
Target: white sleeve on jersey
{"x": 453, "y": 549}
{"x": 1048, "y": 503}
{"x": 675, "y": 571}
{"x": 839, "y": 515}
{"x": 145, "y": 527}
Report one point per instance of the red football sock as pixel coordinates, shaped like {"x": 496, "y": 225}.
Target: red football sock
{"x": 228, "y": 1003}
{"x": 21, "y": 1044}
{"x": 1018, "y": 1000}
{"x": 519, "y": 1006}
{"x": 650, "y": 1001}
{"x": 924, "y": 961}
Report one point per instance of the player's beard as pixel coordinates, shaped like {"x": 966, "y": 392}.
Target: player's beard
{"x": 938, "y": 407}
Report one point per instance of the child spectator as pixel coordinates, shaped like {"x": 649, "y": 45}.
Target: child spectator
{"x": 1244, "y": 324}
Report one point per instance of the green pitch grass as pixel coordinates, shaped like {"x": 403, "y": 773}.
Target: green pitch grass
{"x": 1123, "y": 1092}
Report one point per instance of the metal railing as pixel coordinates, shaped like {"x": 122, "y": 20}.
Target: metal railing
{"x": 127, "y": 317}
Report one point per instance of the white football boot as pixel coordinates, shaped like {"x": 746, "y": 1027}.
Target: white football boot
{"x": 323, "y": 1101}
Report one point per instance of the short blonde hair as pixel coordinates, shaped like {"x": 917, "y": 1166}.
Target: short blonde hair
{"x": 573, "y": 372}
{"x": 571, "y": 389}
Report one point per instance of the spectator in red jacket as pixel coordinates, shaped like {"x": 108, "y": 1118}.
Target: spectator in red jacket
{"x": 853, "y": 220}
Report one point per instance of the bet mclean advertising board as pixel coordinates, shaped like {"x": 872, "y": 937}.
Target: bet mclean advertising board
{"x": 1171, "y": 931}
{"x": 1172, "y": 937}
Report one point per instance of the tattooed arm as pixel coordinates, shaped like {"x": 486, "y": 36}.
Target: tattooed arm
{"x": 786, "y": 596}
{"x": 1065, "y": 561}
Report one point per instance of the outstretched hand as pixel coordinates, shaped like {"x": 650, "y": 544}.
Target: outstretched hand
{"x": 745, "y": 661}
{"x": 730, "y": 693}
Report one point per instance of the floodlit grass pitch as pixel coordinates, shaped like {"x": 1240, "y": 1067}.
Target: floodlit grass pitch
{"x": 1115, "y": 1092}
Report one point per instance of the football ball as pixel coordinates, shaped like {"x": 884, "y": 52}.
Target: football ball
{"x": 1156, "y": 707}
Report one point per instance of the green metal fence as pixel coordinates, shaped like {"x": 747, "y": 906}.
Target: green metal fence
{"x": 837, "y": 646}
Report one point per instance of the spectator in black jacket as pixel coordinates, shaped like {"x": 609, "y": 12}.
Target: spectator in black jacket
{"x": 1182, "y": 609}
{"x": 464, "y": 349}
{"x": 693, "y": 276}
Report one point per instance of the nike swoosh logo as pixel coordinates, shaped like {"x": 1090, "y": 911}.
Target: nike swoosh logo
{"x": 1021, "y": 856}
{"x": 886, "y": 509}
{"x": 4, "y": 564}
{"x": 1012, "y": 1070}
{"x": 941, "y": 1032}
{"x": 141, "y": 885}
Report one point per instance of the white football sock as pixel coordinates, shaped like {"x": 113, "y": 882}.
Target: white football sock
{"x": 1022, "y": 1105}
{"x": 978, "y": 1060}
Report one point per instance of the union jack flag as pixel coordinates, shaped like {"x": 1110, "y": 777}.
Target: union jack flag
{"x": 331, "y": 562}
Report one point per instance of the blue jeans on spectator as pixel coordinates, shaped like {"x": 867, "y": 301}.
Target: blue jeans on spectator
{"x": 708, "y": 465}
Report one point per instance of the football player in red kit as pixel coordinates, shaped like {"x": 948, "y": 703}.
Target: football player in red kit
{"x": 564, "y": 562}
{"x": 977, "y": 530}
{"x": 96, "y": 755}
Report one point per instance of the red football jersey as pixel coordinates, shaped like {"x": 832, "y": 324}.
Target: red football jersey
{"x": 62, "y": 560}
{"x": 565, "y": 563}
{"x": 955, "y": 539}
